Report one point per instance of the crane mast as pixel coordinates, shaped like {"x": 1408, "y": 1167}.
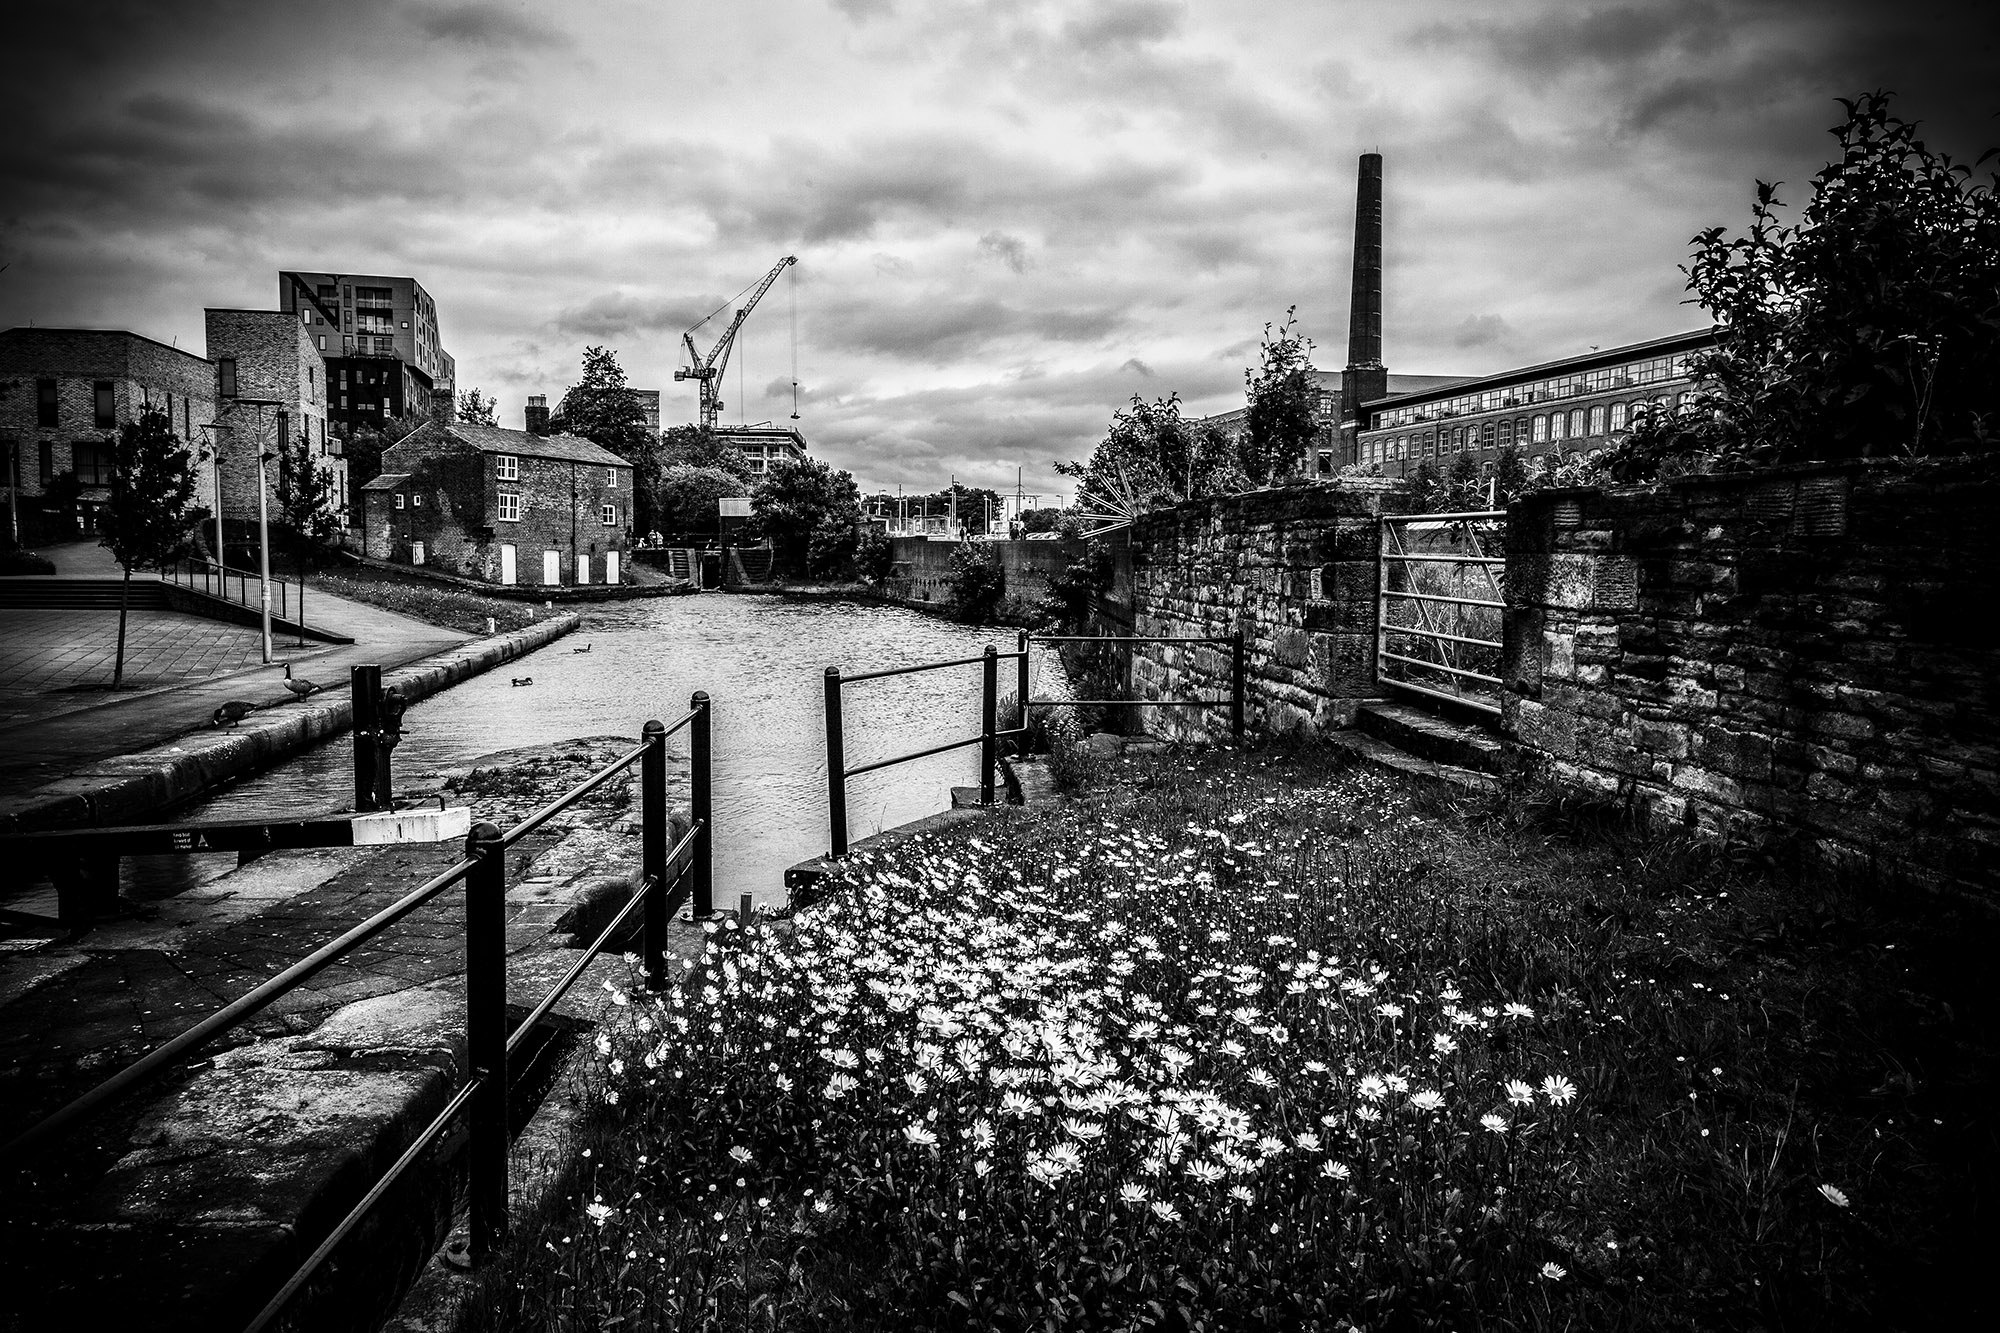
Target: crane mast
{"x": 707, "y": 371}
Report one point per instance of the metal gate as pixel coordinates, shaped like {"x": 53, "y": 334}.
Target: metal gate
{"x": 1439, "y": 609}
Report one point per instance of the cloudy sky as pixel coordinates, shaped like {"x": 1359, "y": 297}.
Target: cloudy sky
{"x": 1009, "y": 216}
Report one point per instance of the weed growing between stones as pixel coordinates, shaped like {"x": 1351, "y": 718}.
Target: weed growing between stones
{"x": 1282, "y": 1046}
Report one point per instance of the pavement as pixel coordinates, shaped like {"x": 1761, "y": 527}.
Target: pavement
{"x": 185, "y": 667}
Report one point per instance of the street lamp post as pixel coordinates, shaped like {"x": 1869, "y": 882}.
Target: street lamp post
{"x": 263, "y": 547}
{"x": 215, "y": 458}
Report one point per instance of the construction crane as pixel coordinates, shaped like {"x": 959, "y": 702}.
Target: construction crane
{"x": 707, "y": 371}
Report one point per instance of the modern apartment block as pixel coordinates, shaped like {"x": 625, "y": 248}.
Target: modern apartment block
{"x": 271, "y": 386}
{"x": 764, "y": 445}
{"x": 66, "y": 392}
{"x": 379, "y": 335}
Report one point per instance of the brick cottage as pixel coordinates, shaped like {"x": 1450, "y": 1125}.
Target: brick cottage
{"x": 506, "y": 506}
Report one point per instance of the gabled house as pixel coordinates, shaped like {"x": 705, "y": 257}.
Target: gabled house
{"x": 506, "y": 506}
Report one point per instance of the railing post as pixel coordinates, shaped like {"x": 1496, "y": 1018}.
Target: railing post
{"x": 1021, "y": 687}
{"x": 1236, "y": 691}
{"x": 701, "y": 756}
{"x": 486, "y": 1036}
{"x": 653, "y": 853}
{"x": 989, "y": 719}
{"x": 836, "y": 767}
{"x": 364, "y": 686}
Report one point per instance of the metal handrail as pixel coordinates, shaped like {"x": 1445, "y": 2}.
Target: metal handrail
{"x": 1235, "y": 702}
{"x": 483, "y": 871}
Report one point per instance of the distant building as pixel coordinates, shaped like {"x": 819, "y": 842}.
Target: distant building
{"x": 649, "y": 401}
{"x": 270, "y": 387}
{"x": 506, "y": 506}
{"x": 67, "y": 392}
{"x": 1324, "y": 458}
{"x": 384, "y": 353}
{"x": 1546, "y": 412}
{"x": 763, "y": 445}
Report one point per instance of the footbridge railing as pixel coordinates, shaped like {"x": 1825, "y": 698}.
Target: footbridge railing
{"x": 673, "y": 871}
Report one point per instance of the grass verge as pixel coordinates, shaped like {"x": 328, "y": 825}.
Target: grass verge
{"x": 453, "y": 608}
{"x": 1268, "y": 1041}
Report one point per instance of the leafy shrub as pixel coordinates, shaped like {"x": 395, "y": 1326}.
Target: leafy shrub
{"x": 975, "y": 583}
{"x": 25, "y": 562}
{"x": 874, "y": 554}
{"x": 1079, "y": 584}
{"x": 1072, "y": 763}
{"x": 830, "y": 553}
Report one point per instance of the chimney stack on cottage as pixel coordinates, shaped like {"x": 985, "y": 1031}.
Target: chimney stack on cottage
{"x": 1365, "y": 378}
{"x": 538, "y": 414}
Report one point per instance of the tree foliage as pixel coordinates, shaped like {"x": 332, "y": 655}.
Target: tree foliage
{"x": 476, "y": 409}
{"x": 1161, "y": 456}
{"x": 694, "y": 446}
{"x": 1870, "y": 327}
{"x": 685, "y": 498}
{"x": 150, "y": 516}
{"x": 794, "y": 499}
{"x": 306, "y": 494}
{"x": 1281, "y": 425}
{"x": 603, "y": 409}
{"x": 975, "y": 583}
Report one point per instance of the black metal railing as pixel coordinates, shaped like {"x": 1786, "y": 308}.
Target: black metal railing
{"x": 988, "y": 739}
{"x": 233, "y": 585}
{"x": 1235, "y": 702}
{"x": 668, "y": 875}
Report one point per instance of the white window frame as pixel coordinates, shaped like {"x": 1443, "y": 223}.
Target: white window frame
{"x": 608, "y": 515}
{"x": 508, "y": 507}
{"x": 507, "y": 467}
{"x": 399, "y": 499}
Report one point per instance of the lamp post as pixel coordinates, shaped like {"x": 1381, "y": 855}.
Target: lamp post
{"x": 215, "y": 457}
{"x": 263, "y": 546}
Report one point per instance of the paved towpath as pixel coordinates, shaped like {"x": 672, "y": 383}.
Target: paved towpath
{"x": 70, "y": 730}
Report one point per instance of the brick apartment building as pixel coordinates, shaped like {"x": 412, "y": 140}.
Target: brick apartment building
{"x": 379, "y": 336}
{"x": 763, "y": 445}
{"x": 1544, "y": 412}
{"x": 271, "y": 386}
{"x": 506, "y": 506}
{"x": 66, "y": 393}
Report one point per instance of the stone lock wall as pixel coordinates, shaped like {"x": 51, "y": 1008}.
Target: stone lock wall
{"x": 1293, "y": 570}
{"x": 1809, "y": 653}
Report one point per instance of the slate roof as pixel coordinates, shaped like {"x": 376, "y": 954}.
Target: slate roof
{"x": 388, "y": 481}
{"x": 527, "y": 444}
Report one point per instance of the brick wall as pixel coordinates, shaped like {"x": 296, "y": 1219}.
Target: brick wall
{"x": 277, "y": 361}
{"x": 1292, "y": 569}
{"x": 1807, "y": 653}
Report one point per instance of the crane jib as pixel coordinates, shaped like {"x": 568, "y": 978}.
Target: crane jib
{"x": 707, "y": 370}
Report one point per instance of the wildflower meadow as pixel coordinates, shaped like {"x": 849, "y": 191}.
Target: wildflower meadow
{"x": 1265, "y": 1043}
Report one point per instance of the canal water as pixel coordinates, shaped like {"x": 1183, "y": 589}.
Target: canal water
{"x": 762, "y": 660}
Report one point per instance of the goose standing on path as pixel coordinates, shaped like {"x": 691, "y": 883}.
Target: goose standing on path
{"x": 522, "y": 680}
{"x": 233, "y": 712}
{"x": 299, "y": 685}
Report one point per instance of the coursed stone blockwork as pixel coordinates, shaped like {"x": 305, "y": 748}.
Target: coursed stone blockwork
{"x": 1804, "y": 653}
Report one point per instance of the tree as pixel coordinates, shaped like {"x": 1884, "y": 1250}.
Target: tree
{"x": 476, "y": 409}
{"x": 794, "y": 499}
{"x": 1464, "y": 487}
{"x": 1510, "y": 476}
{"x": 308, "y": 516}
{"x": 603, "y": 409}
{"x": 362, "y": 446}
{"x": 150, "y": 516}
{"x": 1870, "y": 327}
{"x": 976, "y": 582}
{"x": 1282, "y": 423}
{"x": 685, "y": 499}
{"x": 1157, "y": 455}
{"x": 696, "y": 446}
{"x": 1040, "y": 520}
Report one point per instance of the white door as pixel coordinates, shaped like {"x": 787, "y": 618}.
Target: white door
{"x": 611, "y": 566}
{"x": 506, "y": 564}
{"x": 551, "y": 567}
{"x": 416, "y": 553}
{"x": 582, "y": 568}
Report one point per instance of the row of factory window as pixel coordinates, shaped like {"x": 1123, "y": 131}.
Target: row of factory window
{"x": 509, "y": 508}
{"x": 1515, "y": 432}
{"x": 1633, "y": 374}
{"x": 104, "y": 406}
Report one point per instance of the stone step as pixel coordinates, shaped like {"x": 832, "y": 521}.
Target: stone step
{"x": 1388, "y": 756}
{"x": 1425, "y": 735}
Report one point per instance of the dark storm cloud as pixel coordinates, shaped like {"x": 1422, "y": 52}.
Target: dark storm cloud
{"x": 1122, "y": 23}
{"x": 937, "y": 328}
{"x": 477, "y": 25}
{"x": 1009, "y": 250}
{"x": 617, "y": 314}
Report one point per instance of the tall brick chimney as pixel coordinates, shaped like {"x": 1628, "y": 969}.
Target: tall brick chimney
{"x": 538, "y": 414}
{"x": 1365, "y": 378}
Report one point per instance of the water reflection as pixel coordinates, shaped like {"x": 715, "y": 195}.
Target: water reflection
{"x": 761, "y": 659}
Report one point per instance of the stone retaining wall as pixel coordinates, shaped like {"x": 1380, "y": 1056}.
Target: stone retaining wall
{"x": 1808, "y": 653}
{"x": 1294, "y": 570}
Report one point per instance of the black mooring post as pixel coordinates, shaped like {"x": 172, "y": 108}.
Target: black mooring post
{"x": 836, "y": 767}
{"x": 653, "y": 852}
{"x": 701, "y": 754}
{"x": 989, "y": 721}
{"x": 390, "y": 715}
{"x": 486, "y": 1036}
{"x": 364, "y": 687}
{"x": 1236, "y": 685}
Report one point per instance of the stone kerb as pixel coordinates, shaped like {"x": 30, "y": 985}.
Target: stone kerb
{"x": 1785, "y": 655}
{"x": 1294, "y": 570}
